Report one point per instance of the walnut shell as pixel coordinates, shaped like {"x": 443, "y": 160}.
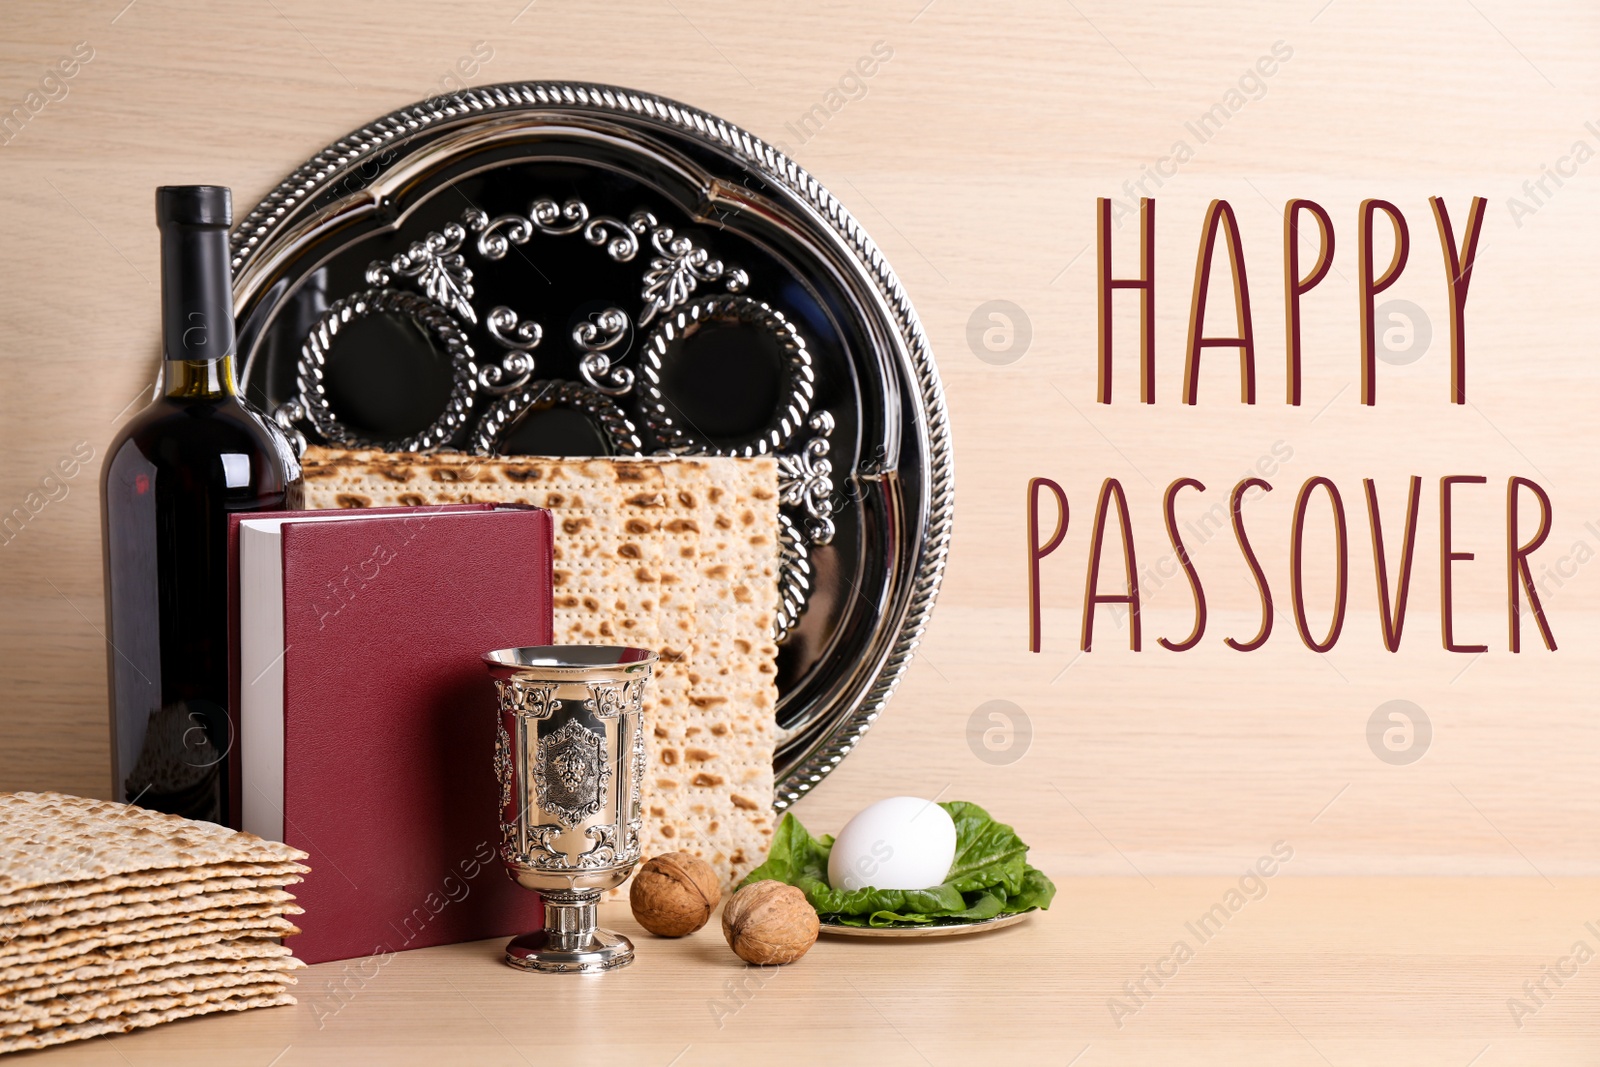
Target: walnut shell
{"x": 674, "y": 894}
{"x": 769, "y": 922}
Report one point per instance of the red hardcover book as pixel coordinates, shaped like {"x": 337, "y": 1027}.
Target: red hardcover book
{"x": 234, "y": 784}
{"x": 366, "y": 718}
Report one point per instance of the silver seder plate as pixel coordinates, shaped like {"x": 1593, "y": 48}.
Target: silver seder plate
{"x": 999, "y": 922}
{"x": 564, "y": 269}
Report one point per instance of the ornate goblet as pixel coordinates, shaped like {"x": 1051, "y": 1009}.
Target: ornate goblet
{"x": 570, "y": 755}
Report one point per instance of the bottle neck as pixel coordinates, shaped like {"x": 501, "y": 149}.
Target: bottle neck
{"x": 200, "y": 379}
{"x": 196, "y": 294}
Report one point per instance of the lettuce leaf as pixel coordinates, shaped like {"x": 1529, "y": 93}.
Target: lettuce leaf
{"x": 989, "y": 877}
{"x": 987, "y": 852}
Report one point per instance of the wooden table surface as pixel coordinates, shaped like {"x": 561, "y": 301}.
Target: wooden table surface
{"x": 1316, "y": 971}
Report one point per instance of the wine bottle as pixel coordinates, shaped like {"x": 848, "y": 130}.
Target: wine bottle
{"x": 172, "y": 476}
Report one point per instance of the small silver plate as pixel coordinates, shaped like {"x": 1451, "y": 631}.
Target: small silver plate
{"x": 948, "y": 930}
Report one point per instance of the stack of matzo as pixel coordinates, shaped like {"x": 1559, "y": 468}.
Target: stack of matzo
{"x": 676, "y": 555}
{"x": 113, "y": 917}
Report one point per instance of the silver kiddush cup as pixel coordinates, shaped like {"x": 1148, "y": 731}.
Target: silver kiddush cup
{"x": 569, "y": 754}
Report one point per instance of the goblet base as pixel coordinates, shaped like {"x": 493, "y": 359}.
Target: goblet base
{"x": 561, "y": 953}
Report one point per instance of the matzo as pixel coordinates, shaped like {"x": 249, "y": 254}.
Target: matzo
{"x": 121, "y": 1024}
{"x": 52, "y": 837}
{"x": 112, "y": 917}
{"x": 154, "y": 947}
{"x": 93, "y": 967}
{"x": 238, "y": 917}
{"x": 101, "y": 1009}
{"x": 676, "y": 554}
{"x": 209, "y": 905}
{"x": 82, "y": 999}
{"x": 284, "y": 873}
{"x": 196, "y": 886}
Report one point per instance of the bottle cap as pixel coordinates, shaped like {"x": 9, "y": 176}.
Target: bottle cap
{"x": 194, "y": 205}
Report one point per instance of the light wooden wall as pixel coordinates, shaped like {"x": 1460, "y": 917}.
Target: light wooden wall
{"x": 974, "y": 158}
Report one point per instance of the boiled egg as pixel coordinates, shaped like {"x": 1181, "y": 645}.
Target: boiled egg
{"x": 899, "y": 843}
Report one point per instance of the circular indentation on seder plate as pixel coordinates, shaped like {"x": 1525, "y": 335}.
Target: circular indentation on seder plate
{"x": 726, "y": 375}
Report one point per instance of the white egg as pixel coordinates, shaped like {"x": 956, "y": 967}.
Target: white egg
{"x": 899, "y": 843}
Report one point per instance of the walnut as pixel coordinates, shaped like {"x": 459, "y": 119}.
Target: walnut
{"x": 769, "y": 922}
{"x": 674, "y": 894}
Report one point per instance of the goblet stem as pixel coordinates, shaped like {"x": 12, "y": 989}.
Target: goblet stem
{"x": 570, "y": 918}
{"x": 570, "y": 940}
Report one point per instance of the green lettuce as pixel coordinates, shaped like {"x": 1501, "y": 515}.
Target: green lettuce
{"x": 989, "y": 877}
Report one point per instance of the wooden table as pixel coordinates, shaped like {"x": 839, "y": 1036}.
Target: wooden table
{"x": 1338, "y": 971}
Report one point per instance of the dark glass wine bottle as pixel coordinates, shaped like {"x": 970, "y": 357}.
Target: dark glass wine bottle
{"x": 171, "y": 478}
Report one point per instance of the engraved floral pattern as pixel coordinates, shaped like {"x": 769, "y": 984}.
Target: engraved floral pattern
{"x": 595, "y": 336}
{"x": 633, "y": 810}
{"x": 570, "y": 773}
{"x": 437, "y": 265}
{"x": 519, "y": 337}
{"x": 532, "y": 701}
{"x": 270, "y": 228}
{"x": 540, "y": 852}
{"x": 805, "y": 480}
{"x": 497, "y": 235}
{"x": 612, "y": 699}
{"x": 503, "y": 767}
{"x": 677, "y": 268}
{"x": 603, "y": 853}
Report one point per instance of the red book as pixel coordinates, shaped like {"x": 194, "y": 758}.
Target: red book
{"x": 366, "y": 719}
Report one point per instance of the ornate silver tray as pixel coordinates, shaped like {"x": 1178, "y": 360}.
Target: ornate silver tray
{"x": 555, "y": 268}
